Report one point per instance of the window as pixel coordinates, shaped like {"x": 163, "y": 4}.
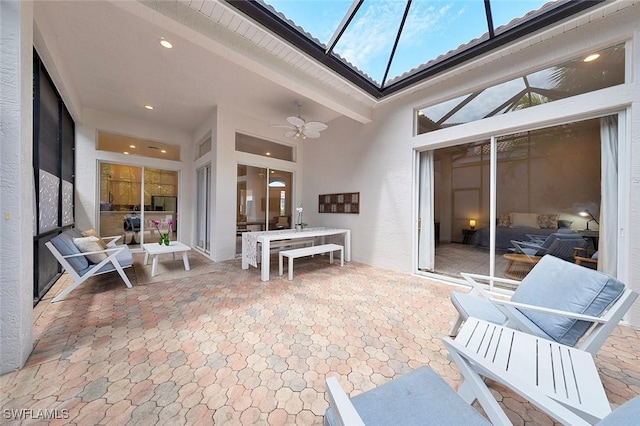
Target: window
{"x": 134, "y": 146}
{"x": 601, "y": 69}
{"x": 257, "y": 146}
{"x": 544, "y": 179}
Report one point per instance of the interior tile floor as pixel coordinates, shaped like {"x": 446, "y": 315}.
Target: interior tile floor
{"x": 225, "y": 348}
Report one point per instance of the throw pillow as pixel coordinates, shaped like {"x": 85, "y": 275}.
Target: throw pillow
{"x": 89, "y": 244}
{"x": 564, "y": 224}
{"x": 504, "y": 220}
{"x": 529, "y": 220}
{"x": 93, "y": 233}
{"x": 548, "y": 221}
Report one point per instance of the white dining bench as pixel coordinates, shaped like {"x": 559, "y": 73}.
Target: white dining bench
{"x": 308, "y": 251}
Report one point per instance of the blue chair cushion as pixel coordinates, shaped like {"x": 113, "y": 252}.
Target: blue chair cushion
{"x": 557, "y": 284}
{"x": 419, "y": 398}
{"x": 626, "y": 414}
{"x": 124, "y": 258}
{"x": 64, "y": 244}
{"x": 469, "y": 305}
{"x": 477, "y": 307}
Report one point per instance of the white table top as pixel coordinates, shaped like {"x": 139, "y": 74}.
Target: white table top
{"x": 173, "y": 247}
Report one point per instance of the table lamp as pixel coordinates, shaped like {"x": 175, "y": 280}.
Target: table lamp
{"x": 586, "y": 213}
{"x": 472, "y": 223}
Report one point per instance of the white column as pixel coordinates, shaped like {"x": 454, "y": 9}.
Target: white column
{"x": 16, "y": 183}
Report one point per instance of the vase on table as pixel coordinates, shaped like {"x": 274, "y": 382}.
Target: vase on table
{"x": 298, "y": 227}
{"x": 164, "y": 239}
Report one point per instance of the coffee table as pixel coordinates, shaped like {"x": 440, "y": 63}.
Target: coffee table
{"x": 519, "y": 265}
{"x": 156, "y": 249}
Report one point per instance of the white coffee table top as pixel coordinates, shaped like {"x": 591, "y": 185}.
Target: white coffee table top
{"x": 173, "y": 247}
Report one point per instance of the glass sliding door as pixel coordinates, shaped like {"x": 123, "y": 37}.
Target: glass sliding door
{"x": 160, "y": 204}
{"x": 545, "y": 181}
{"x": 264, "y": 200}
{"x": 131, "y": 197}
{"x": 203, "y": 213}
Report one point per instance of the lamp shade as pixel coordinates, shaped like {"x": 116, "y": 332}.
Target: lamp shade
{"x": 472, "y": 223}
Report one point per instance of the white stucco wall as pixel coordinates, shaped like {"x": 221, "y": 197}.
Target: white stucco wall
{"x": 16, "y": 184}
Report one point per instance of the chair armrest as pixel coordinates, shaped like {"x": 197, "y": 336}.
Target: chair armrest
{"x": 110, "y": 251}
{"x": 525, "y": 244}
{"x": 536, "y": 238}
{"x": 504, "y": 303}
{"x": 339, "y": 402}
{"x": 113, "y": 239}
{"x": 477, "y": 287}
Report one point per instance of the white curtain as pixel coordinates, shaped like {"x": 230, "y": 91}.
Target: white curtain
{"x": 608, "y": 244}
{"x": 426, "y": 237}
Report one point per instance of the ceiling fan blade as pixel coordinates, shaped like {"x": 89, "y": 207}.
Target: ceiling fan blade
{"x": 284, "y": 126}
{"x": 290, "y": 134}
{"x": 312, "y": 134}
{"x": 296, "y": 121}
{"x": 316, "y": 126}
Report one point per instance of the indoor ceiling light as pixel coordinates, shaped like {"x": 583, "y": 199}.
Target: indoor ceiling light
{"x": 148, "y": 107}
{"x": 165, "y": 43}
{"x": 164, "y": 151}
{"x": 126, "y": 153}
{"x": 132, "y": 146}
{"x": 591, "y": 57}
{"x": 276, "y": 183}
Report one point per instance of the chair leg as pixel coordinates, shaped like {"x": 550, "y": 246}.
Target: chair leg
{"x": 123, "y": 275}
{"x": 453, "y": 331}
{"x": 69, "y": 289}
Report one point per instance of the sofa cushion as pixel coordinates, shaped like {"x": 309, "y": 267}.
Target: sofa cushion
{"x": 547, "y": 221}
{"x": 90, "y": 244}
{"x": 529, "y": 220}
{"x": 93, "y": 233}
{"x": 64, "y": 244}
{"x": 557, "y": 284}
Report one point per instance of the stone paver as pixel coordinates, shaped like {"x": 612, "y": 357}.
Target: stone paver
{"x": 225, "y": 348}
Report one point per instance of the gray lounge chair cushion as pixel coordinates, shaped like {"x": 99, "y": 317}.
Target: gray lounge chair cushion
{"x": 419, "y": 398}
{"x": 554, "y": 283}
{"x": 64, "y": 244}
{"x": 478, "y": 307}
{"x": 626, "y": 414}
{"x": 125, "y": 259}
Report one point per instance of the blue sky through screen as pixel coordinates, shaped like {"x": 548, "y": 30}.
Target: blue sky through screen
{"x": 433, "y": 28}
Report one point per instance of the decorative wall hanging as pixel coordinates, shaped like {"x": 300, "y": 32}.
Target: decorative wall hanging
{"x": 348, "y": 202}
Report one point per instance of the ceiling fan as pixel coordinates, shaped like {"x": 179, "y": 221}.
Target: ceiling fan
{"x": 299, "y": 128}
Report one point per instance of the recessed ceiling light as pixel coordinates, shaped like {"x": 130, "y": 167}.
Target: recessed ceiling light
{"x": 591, "y": 57}
{"x": 126, "y": 153}
{"x": 132, "y": 146}
{"x": 267, "y": 153}
{"x": 164, "y": 151}
{"x": 165, "y": 43}
{"x": 148, "y": 107}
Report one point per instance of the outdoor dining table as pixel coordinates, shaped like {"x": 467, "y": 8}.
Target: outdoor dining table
{"x": 250, "y": 242}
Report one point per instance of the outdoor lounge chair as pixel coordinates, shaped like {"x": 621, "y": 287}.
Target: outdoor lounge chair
{"x": 557, "y": 300}
{"x": 562, "y": 381}
{"x": 423, "y": 398}
{"x": 559, "y": 244}
{"x": 82, "y": 265}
